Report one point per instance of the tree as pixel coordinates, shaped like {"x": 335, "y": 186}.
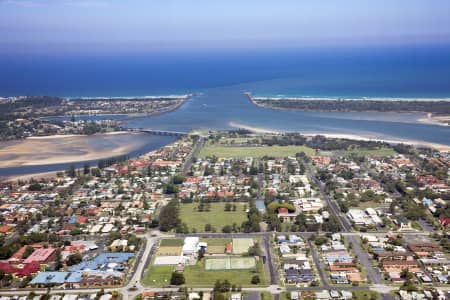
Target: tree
{"x": 71, "y": 171}
{"x": 208, "y": 227}
{"x": 217, "y": 285}
{"x": 178, "y": 179}
{"x": 74, "y": 259}
{"x": 226, "y": 229}
{"x": 177, "y": 278}
{"x": 171, "y": 189}
{"x": 27, "y": 252}
{"x": 35, "y": 186}
{"x": 169, "y": 216}
{"x": 405, "y": 274}
{"x": 226, "y": 286}
{"x": 86, "y": 169}
{"x": 320, "y": 240}
{"x": 255, "y": 279}
{"x": 254, "y": 250}
{"x": 332, "y": 225}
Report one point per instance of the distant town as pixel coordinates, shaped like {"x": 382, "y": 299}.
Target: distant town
{"x": 234, "y": 215}
{"x": 22, "y": 117}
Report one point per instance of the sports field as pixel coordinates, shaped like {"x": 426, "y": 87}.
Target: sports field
{"x": 171, "y": 243}
{"x": 230, "y": 263}
{"x": 158, "y": 276}
{"x": 241, "y": 245}
{"x": 197, "y": 276}
{"x": 169, "y": 251}
{"x": 216, "y": 245}
{"x": 223, "y": 151}
{"x": 217, "y": 217}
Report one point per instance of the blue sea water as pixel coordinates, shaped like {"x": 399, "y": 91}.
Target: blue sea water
{"x": 386, "y": 72}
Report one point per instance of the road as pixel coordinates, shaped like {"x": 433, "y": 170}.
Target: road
{"x": 319, "y": 266}
{"x": 198, "y": 145}
{"x": 269, "y": 260}
{"x": 427, "y": 227}
{"x": 151, "y": 239}
{"x": 362, "y": 256}
{"x": 260, "y": 183}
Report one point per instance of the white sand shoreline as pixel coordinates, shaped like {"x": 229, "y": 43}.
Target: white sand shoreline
{"x": 58, "y": 136}
{"x": 435, "y": 120}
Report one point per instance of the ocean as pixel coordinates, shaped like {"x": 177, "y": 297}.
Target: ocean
{"x": 385, "y": 72}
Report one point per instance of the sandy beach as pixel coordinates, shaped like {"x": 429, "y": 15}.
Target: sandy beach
{"x": 61, "y": 136}
{"x": 357, "y": 137}
{"x": 66, "y": 148}
{"x": 435, "y": 120}
{"x": 253, "y": 129}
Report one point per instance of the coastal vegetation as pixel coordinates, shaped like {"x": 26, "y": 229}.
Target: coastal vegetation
{"x": 292, "y": 144}
{"x": 439, "y": 107}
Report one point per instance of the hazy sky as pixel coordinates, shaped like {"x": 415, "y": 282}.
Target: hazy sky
{"x": 146, "y": 25}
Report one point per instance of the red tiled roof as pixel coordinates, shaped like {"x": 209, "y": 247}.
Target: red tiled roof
{"x": 444, "y": 221}
{"x": 82, "y": 219}
{"x": 283, "y": 210}
{"x": 5, "y": 228}
{"x": 40, "y": 255}
{"x": 26, "y": 270}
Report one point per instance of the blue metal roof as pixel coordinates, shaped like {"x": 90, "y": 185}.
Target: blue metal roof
{"x": 102, "y": 259}
{"x": 74, "y": 277}
{"x": 260, "y": 205}
{"x": 50, "y": 278}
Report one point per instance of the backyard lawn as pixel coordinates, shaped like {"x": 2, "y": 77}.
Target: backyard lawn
{"x": 217, "y": 217}
{"x": 222, "y": 151}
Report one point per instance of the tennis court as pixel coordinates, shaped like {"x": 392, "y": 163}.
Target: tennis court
{"x": 241, "y": 245}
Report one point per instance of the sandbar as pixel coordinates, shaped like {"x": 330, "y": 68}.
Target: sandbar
{"x": 67, "y": 148}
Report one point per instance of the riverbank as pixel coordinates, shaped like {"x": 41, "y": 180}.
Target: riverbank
{"x": 357, "y": 137}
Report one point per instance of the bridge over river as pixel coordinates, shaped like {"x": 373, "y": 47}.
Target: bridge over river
{"x": 160, "y": 132}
